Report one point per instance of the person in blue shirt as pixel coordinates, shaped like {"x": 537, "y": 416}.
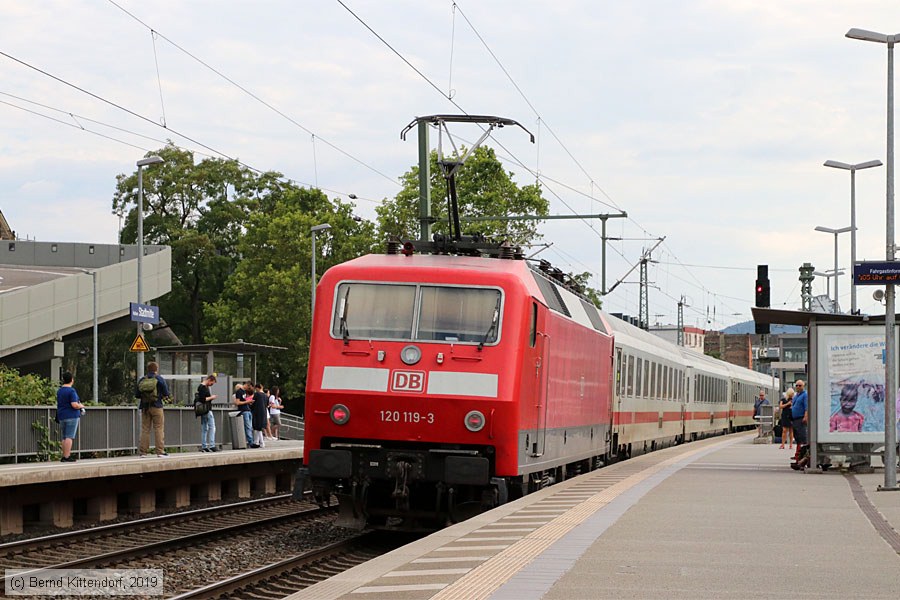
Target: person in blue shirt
{"x": 68, "y": 413}
{"x": 800, "y": 414}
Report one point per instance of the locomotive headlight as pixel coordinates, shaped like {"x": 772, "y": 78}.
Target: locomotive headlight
{"x": 474, "y": 421}
{"x": 340, "y": 414}
{"x": 411, "y": 355}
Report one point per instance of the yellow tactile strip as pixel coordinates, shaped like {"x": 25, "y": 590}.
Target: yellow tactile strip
{"x": 482, "y": 581}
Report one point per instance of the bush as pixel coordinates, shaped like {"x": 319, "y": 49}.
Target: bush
{"x": 25, "y": 390}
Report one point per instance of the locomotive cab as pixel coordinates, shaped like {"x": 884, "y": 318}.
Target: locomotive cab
{"x": 408, "y": 402}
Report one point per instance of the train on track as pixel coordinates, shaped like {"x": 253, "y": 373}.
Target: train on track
{"x": 447, "y": 377}
{"x": 440, "y": 386}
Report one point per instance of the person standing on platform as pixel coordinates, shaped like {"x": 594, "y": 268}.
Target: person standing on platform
{"x": 260, "y": 410}
{"x": 208, "y": 419}
{"x": 275, "y": 408}
{"x": 800, "y": 415}
{"x": 787, "y": 419}
{"x": 761, "y": 401}
{"x": 242, "y": 401}
{"x": 152, "y": 391}
{"x": 68, "y": 412}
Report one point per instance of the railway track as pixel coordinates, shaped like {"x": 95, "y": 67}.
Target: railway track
{"x": 295, "y": 573}
{"x": 113, "y": 544}
{"x": 265, "y": 548}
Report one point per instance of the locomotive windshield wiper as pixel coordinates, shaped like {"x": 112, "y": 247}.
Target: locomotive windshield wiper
{"x": 493, "y": 328}
{"x": 345, "y": 331}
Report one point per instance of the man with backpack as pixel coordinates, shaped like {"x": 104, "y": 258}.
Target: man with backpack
{"x": 151, "y": 390}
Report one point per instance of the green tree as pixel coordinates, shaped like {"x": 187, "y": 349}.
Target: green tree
{"x": 581, "y": 281}
{"x": 267, "y": 297}
{"x": 484, "y": 189}
{"x": 25, "y": 390}
{"x": 199, "y": 210}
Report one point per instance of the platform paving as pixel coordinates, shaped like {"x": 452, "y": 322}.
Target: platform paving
{"x": 721, "y": 518}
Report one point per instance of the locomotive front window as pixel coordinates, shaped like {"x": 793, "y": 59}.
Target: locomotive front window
{"x": 456, "y": 314}
{"x": 374, "y": 311}
{"x": 399, "y": 311}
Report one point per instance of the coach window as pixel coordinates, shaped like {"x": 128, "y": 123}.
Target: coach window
{"x": 457, "y": 314}
{"x": 374, "y": 311}
{"x": 629, "y": 378}
{"x": 639, "y": 378}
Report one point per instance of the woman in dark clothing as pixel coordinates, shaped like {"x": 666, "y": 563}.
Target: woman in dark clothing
{"x": 786, "y": 432}
{"x": 260, "y": 411}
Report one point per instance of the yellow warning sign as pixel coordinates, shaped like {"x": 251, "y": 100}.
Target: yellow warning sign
{"x": 139, "y": 345}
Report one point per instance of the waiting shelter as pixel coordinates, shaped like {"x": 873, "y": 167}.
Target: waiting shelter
{"x": 185, "y": 367}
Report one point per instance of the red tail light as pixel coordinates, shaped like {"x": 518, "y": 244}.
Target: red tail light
{"x": 474, "y": 421}
{"x": 340, "y": 414}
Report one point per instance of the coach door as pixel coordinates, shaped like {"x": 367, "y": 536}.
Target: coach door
{"x": 540, "y": 341}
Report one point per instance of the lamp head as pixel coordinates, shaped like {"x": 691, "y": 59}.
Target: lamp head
{"x": 150, "y": 160}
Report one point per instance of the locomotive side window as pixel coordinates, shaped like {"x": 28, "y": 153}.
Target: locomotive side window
{"x": 365, "y": 310}
{"x": 455, "y": 314}
{"x": 532, "y": 335}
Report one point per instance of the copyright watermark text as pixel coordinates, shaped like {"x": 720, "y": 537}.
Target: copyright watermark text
{"x": 83, "y": 582}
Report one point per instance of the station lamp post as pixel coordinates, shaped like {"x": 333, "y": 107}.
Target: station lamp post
{"x": 150, "y": 160}
{"x": 836, "y": 232}
{"x": 890, "y": 365}
{"x": 93, "y": 275}
{"x": 853, "y": 169}
{"x": 828, "y": 275}
{"x": 313, "y": 230}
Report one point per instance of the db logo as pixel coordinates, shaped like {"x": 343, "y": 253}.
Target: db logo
{"x": 408, "y": 381}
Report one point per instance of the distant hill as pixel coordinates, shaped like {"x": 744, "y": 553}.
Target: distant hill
{"x": 750, "y": 327}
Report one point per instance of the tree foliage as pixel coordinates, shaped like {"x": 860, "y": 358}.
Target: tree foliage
{"x": 267, "y": 297}
{"x": 199, "y": 210}
{"x": 25, "y": 390}
{"x": 484, "y": 189}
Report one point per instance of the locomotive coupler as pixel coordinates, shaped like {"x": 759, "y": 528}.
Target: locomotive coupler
{"x": 401, "y": 489}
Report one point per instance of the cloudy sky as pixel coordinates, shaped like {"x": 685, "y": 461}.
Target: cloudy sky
{"x": 707, "y": 121}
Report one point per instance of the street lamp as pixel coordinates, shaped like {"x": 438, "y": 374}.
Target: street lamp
{"x": 150, "y": 160}
{"x": 828, "y": 275}
{"x": 835, "y": 232}
{"x": 890, "y": 363}
{"x": 853, "y": 169}
{"x": 313, "y": 230}
{"x": 93, "y": 275}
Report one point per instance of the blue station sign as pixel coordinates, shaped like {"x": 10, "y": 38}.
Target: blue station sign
{"x": 876, "y": 273}
{"x": 144, "y": 313}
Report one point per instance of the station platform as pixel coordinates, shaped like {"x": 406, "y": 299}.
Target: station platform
{"x": 717, "y": 518}
{"x": 57, "y": 494}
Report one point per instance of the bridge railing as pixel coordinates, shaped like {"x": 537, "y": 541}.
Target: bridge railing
{"x": 27, "y": 432}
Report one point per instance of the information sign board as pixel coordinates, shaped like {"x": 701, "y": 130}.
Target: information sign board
{"x": 876, "y": 273}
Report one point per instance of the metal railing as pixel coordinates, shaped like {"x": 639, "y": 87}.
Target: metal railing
{"x": 25, "y": 430}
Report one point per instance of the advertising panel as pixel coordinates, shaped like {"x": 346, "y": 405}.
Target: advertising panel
{"x": 850, "y": 392}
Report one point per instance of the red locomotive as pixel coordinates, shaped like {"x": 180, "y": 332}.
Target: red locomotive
{"x": 440, "y": 386}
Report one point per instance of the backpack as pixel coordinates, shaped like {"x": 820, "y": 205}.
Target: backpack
{"x": 201, "y": 407}
{"x": 147, "y": 391}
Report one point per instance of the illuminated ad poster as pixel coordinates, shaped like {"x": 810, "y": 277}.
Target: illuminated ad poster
{"x": 850, "y": 392}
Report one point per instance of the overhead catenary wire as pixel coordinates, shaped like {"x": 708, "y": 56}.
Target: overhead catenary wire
{"x": 255, "y": 96}
{"x": 150, "y": 138}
